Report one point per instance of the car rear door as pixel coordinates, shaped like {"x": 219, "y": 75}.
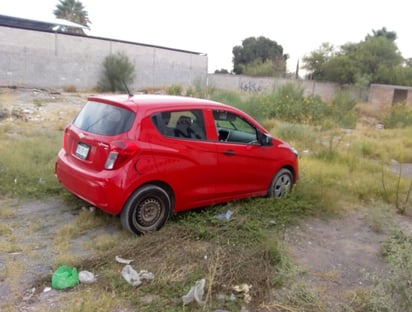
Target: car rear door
{"x": 185, "y": 159}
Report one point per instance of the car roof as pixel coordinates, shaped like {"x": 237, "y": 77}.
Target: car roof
{"x": 155, "y": 101}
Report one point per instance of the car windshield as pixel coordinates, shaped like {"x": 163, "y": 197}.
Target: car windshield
{"x": 104, "y": 119}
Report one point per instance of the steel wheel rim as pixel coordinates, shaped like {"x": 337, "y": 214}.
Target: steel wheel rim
{"x": 282, "y": 185}
{"x": 149, "y": 212}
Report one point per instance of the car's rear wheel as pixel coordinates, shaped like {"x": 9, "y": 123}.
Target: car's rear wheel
{"x": 281, "y": 184}
{"x": 146, "y": 210}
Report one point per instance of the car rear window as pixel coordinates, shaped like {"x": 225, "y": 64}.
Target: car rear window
{"x": 104, "y": 119}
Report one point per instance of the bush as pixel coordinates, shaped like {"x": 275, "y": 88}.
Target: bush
{"x": 199, "y": 89}
{"x": 118, "y": 72}
{"x": 289, "y": 104}
{"x": 343, "y": 110}
{"x": 399, "y": 117}
{"x": 175, "y": 89}
{"x": 228, "y": 97}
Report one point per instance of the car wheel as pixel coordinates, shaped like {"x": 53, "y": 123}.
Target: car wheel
{"x": 146, "y": 210}
{"x": 281, "y": 184}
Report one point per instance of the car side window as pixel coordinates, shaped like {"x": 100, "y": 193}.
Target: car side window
{"x": 233, "y": 128}
{"x": 187, "y": 124}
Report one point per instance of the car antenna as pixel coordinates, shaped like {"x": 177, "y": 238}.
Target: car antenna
{"x": 127, "y": 89}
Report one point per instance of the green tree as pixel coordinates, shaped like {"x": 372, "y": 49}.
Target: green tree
{"x": 373, "y": 60}
{"x": 259, "y": 51}
{"x": 340, "y": 68}
{"x": 118, "y": 72}
{"x": 316, "y": 60}
{"x": 391, "y": 35}
{"x": 377, "y": 56}
{"x": 73, "y": 11}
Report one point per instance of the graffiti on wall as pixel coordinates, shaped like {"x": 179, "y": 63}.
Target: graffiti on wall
{"x": 250, "y": 86}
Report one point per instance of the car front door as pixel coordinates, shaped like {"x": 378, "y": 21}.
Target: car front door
{"x": 245, "y": 167}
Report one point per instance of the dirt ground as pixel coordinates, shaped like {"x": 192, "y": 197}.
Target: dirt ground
{"x": 334, "y": 254}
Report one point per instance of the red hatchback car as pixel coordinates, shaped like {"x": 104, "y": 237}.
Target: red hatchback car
{"x": 147, "y": 156}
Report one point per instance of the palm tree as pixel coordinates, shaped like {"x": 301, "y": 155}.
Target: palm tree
{"x": 73, "y": 11}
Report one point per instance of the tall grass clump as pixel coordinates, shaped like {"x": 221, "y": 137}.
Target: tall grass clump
{"x": 400, "y": 116}
{"x": 303, "y": 136}
{"x": 198, "y": 89}
{"x": 342, "y": 110}
{"x": 228, "y": 97}
{"x": 289, "y": 103}
{"x": 27, "y": 165}
{"x": 118, "y": 72}
{"x": 175, "y": 89}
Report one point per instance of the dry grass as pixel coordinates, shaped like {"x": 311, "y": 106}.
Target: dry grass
{"x": 7, "y": 99}
{"x": 175, "y": 272}
{"x": 194, "y": 246}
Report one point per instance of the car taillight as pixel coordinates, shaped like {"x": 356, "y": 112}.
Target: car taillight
{"x": 66, "y": 139}
{"x": 120, "y": 151}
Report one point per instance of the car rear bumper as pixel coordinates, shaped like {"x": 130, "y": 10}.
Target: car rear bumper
{"x": 97, "y": 188}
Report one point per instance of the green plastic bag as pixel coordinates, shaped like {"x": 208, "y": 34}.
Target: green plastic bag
{"x": 65, "y": 277}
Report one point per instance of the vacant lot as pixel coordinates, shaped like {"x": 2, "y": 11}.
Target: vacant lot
{"x": 327, "y": 260}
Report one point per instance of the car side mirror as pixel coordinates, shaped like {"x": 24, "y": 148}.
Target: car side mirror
{"x": 265, "y": 139}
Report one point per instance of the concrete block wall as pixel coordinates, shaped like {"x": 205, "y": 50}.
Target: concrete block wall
{"x": 55, "y": 60}
{"x": 42, "y": 59}
{"x": 383, "y": 96}
{"x": 326, "y": 90}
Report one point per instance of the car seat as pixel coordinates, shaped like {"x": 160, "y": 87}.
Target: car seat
{"x": 183, "y": 128}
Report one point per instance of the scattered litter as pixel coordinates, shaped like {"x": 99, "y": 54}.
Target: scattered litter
{"x": 89, "y": 209}
{"x": 134, "y": 278}
{"x": 225, "y": 216}
{"x": 244, "y": 290}
{"x": 223, "y": 297}
{"x": 123, "y": 261}
{"x": 65, "y": 277}
{"x": 195, "y": 293}
{"x": 29, "y": 294}
{"x": 46, "y": 289}
{"x": 86, "y": 277}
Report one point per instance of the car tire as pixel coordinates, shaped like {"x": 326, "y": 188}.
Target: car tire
{"x": 146, "y": 210}
{"x": 281, "y": 184}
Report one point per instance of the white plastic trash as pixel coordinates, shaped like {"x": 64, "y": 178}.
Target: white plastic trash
{"x": 225, "y": 216}
{"x": 123, "y": 261}
{"x": 195, "y": 293}
{"x": 86, "y": 277}
{"x": 134, "y": 278}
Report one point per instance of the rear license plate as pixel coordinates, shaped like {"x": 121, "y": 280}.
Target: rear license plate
{"x": 82, "y": 150}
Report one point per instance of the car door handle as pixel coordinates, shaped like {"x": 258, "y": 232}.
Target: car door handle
{"x": 229, "y": 152}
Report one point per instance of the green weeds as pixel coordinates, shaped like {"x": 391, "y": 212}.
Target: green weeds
{"x": 400, "y": 116}
{"x": 339, "y": 169}
{"x": 27, "y": 164}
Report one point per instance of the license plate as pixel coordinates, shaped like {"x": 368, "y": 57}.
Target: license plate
{"x": 82, "y": 150}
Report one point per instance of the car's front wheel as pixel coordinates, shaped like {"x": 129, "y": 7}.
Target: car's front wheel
{"x": 281, "y": 184}
{"x": 146, "y": 210}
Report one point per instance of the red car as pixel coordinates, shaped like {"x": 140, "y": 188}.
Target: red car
{"x": 147, "y": 156}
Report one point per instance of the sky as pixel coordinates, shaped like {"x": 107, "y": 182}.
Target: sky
{"x": 214, "y": 27}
